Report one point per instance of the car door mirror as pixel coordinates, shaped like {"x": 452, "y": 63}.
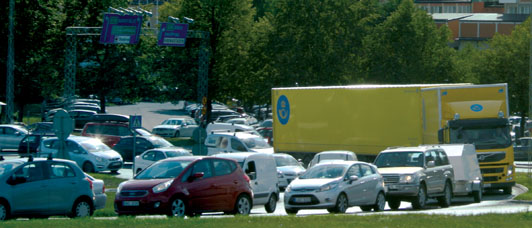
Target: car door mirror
{"x": 195, "y": 176}
{"x": 431, "y": 164}
{"x": 353, "y": 179}
{"x": 14, "y": 180}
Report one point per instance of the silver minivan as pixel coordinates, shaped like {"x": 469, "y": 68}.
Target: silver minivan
{"x": 336, "y": 186}
{"x": 89, "y": 153}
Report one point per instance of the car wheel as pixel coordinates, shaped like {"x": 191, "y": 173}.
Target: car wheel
{"x": 380, "y": 202}
{"x": 177, "y": 208}
{"x": 394, "y": 204}
{"x": 291, "y": 211}
{"x": 341, "y": 204}
{"x": 477, "y": 196}
{"x": 88, "y": 167}
{"x": 81, "y": 208}
{"x": 177, "y": 134}
{"x": 242, "y": 205}
{"x": 507, "y": 190}
{"x": 3, "y": 211}
{"x": 272, "y": 203}
{"x": 366, "y": 208}
{"x": 445, "y": 200}
{"x": 421, "y": 198}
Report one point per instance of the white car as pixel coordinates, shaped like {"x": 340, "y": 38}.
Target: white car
{"x": 288, "y": 169}
{"x": 151, "y": 156}
{"x": 342, "y": 155}
{"x": 226, "y": 142}
{"x": 89, "y": 153}
{"x": 176, "y": 127}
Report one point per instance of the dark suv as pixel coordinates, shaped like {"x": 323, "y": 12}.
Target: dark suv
{"x": 415, "y": 174}
{"x": 184, "y": 186}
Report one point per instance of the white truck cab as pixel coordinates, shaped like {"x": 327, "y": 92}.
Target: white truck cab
{"x": 226, "y": 142}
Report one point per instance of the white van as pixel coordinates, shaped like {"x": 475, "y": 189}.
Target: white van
{"x": 229, "y": 127}
{"x": 262, "y": 171}
{"x": 225, "y": 142}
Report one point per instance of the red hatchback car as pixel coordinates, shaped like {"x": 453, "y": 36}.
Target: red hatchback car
{"x": 186, "y": 186}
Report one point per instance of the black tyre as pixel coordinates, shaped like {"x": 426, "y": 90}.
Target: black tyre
{"x": 88, "y": 167}
{"x": 507, "y": 190}
{"x": 341, "y": 204}
{"x": 272, "y": 204}
{"x": 477, "y": 196}
{"x": 421, "y": 198}
{"x": 81, "y": 208}
{"x": 291, "y": 211}
{"x": 394, "y": 204}
{"x": 177, "y": 208}
{"x": 242, "y": 205}
{"x": 177, "y": 134}
{"x": 445, "y": 200}
{"x": 366, "y": 208}
{"x": 380, "y": 202}
{"x": 4, "y": 211}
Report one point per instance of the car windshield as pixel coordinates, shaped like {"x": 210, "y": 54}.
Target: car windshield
{"x": 285, "y": 161}
{"x": 164, "y": 169}
{"x": 141, "y": 131}
{"x": 171, "y": 154}
{"x": 172, "y": 122}
{"x": 337, "y": 156}
{"x": 94, "y": 146}
{"x": 160, "y": 142}
{"x": 256, "y": 143}
{"x": 5, "y": 167}
{"x": 484, "y": 137}
{"x": 324, "y": 172}
{"x": 400, "y": 159}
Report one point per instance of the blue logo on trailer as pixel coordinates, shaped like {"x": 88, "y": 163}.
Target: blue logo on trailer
{"x": 476, "y": 108}
{"x": 283, "y": 109}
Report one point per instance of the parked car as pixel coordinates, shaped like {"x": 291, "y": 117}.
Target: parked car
{"x": 261, "y": 170}
{"x": 325, "y": 156}
{"x": 110, "y": 128}
{"x": 336, "y": 186}
{"x": 288, "y": 169}
{"x": 30, "y": 143}
{"x": 81, "y": 117}
{"x": 225, "y": 142}
{"x": 415, "y": 174}
{"x": 87, "y": 106}
{"x": 39, "y": 188}
{"x": 183, "y": 186}
{"x": 176, "y": 127}
{"x": 89, "y": 153}
{"x": 229, "y": 127}
{"x": 41, "y": 128}
{"x": 242, "y": 121}
{"x": 10, "y": 136}
{"x": 142, "y": 143}
{"x": 150, "y": 156}
{"x": 267, "y": 133}
{"x": 98, "y": 187}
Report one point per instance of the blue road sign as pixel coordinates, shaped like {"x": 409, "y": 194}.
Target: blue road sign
{"x": 172, "y": 34}
{"x": 135, "y": 121}
{"x": 120, "y": 29}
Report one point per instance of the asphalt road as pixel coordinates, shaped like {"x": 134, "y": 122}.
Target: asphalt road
{"x": 152, "y": 113}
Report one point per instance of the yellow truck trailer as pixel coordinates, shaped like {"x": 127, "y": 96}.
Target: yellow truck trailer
{"x": 367, "y": 119}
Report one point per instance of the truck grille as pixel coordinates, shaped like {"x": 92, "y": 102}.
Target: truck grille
{"x": 491, "y": 156}
{"x": 390, "y": 178}
{"x": 491, "y": 170}
{"x": 489, "y": 179}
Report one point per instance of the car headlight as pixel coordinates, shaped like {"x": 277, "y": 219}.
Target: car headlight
{"x": 280, "y": 174}
{"x": 328, "y": 187}
{"x": 99, "y": 159}
{"x": 510, "y": 170}
{"x": 288, "y": 189}
{"x": 119, "y": 188}
{"x": 406, "y": 179}
{"x": 162, "y": 186}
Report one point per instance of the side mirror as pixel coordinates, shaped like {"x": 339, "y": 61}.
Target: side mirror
{"x": 431, "y": 164}
{"x": 195, "y": 176}
{"x": 353, "y": 178}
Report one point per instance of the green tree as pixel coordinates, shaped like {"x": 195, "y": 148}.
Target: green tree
{"x": 408, "y": 48}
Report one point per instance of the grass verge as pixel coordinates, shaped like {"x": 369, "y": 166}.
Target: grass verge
{"x": 525, "y": 180}
{"x": 109, "y": 210}
{"x": 109, "y": 180}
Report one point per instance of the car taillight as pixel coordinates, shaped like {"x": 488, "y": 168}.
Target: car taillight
{"x": 90, "y": 182}
{"x": 247, "y": 178}
{"x": 103, "y": 190}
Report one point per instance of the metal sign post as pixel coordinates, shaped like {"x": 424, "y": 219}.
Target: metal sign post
{"x": 135, "y": 121}
{"x": 63, "y": 126}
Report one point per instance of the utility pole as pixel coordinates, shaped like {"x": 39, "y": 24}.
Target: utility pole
{"x": 10, "y": 65}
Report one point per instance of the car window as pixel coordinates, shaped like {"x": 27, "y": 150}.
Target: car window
{"x": 159, "y": 155}
{"x": 9, "y": 131}
{"x": 203, "y": 166}
{"x": 61, "y": 170}
{"x": 149, "y": 156}
{"x": 125, "y": 142}
{"x": 251, "y": 171}
{"x": 366, "y": 170}
{"x": 443, "y": 157}
{"x": 31, "y": 171}
{"x": 437, "y": 158}
{"x": 237, "y": 145}
{"x": 222, "y": 142}
{"x": 222, "y": 167}
{"x": 429, "y": 157}
{"x": 72, "y": 146}
{"x": 354, "y": 171}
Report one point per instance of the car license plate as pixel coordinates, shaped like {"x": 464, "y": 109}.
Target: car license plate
{"x": 302, "y": 200}
{"x": 392, "y": 187}
{"x": 130, "y": 203}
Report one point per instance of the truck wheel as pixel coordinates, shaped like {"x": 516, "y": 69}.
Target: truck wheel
{"x": 394, "y": 204}
{"x": 445, "y": 200}
{"x": 507, "y": 190}
{"x": 421, "y": 198}
{"x": 477, "y": 196}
